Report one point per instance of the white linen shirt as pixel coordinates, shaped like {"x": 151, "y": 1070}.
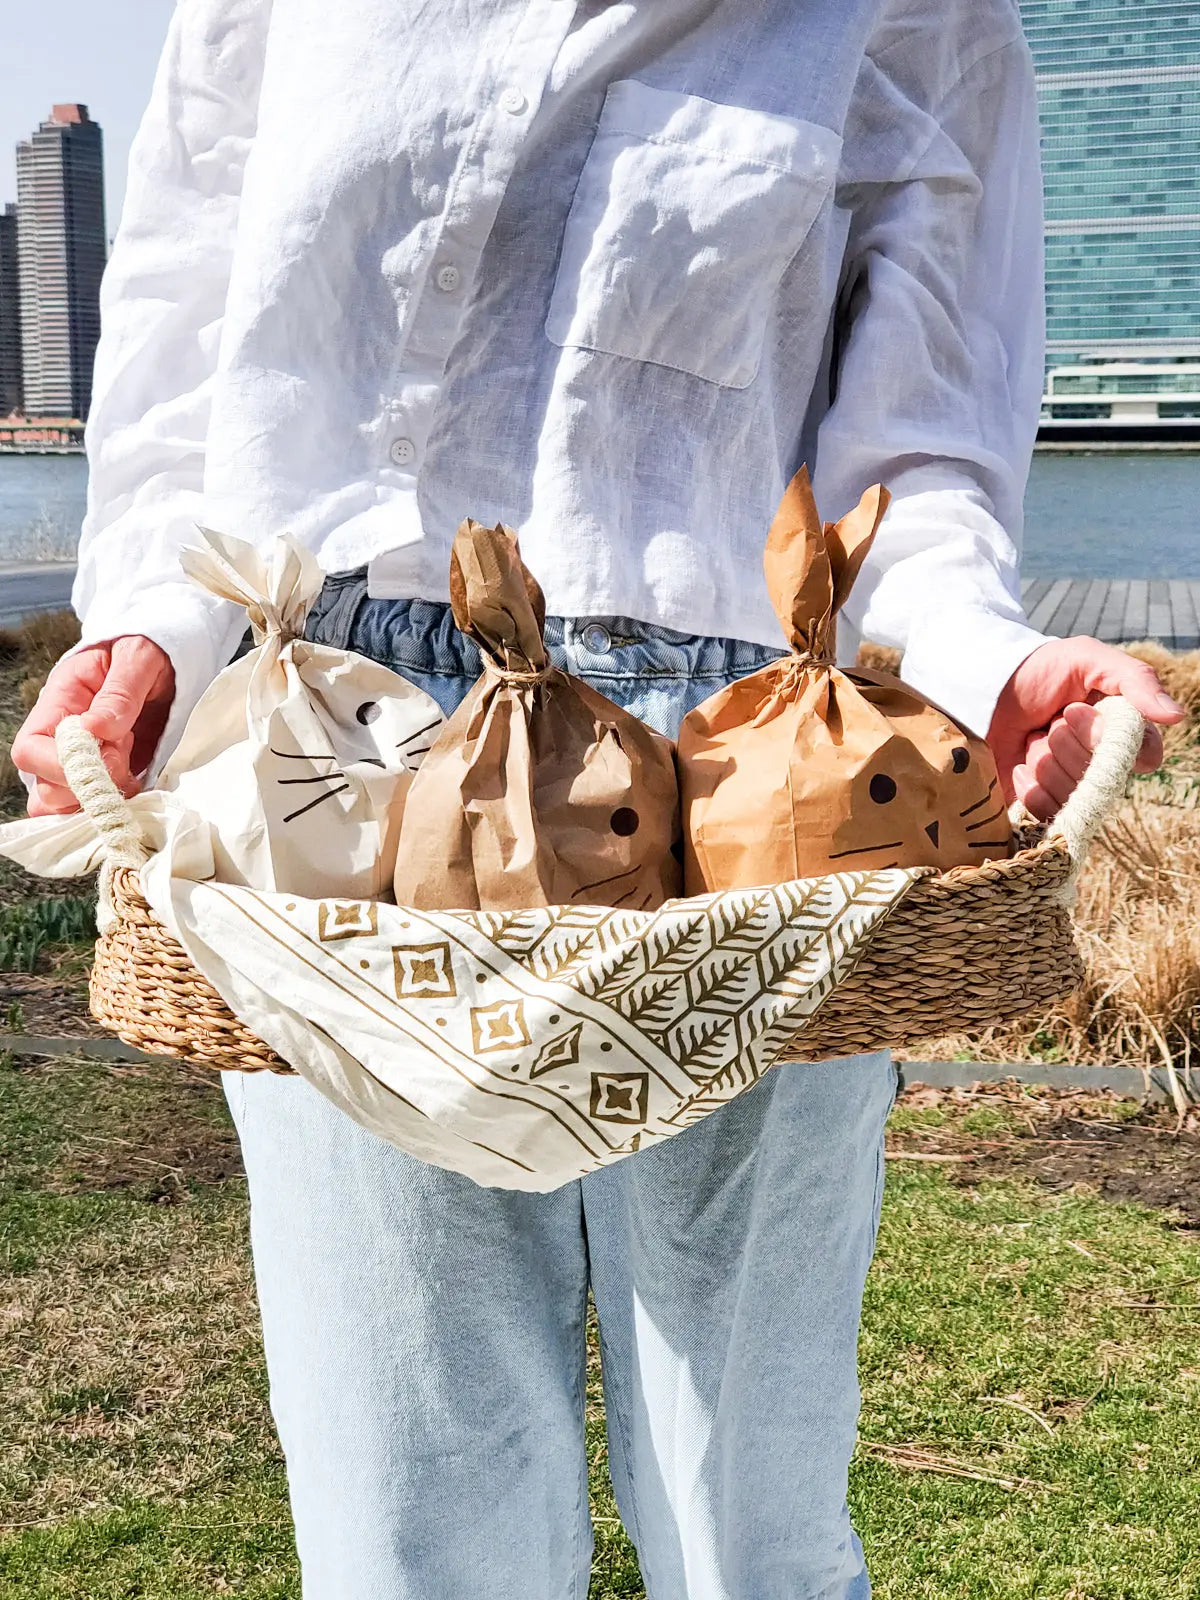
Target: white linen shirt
{"x": 608, "y": 272}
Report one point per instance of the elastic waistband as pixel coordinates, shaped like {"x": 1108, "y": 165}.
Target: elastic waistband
{"x": 421, "y": 636}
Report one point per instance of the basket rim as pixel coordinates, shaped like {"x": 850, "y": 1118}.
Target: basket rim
{"x": 126, "y": 880}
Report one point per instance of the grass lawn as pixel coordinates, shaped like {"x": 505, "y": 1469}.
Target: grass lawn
{"x": 1031, "y": 1422}
{"x": 1030, "y": 1353}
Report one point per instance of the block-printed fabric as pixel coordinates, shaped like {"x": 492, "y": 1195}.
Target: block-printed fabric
{"x": 527, "y": 1048}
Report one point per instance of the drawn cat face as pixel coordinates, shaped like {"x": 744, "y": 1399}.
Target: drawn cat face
{"x": 328, "y": 775}
{"x": 613, "y": 848}
{"x": 928, "y": 796}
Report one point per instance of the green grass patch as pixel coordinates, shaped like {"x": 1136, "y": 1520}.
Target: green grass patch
{"x": 1031, "y": 1369}
{"x": 31, "y": 928}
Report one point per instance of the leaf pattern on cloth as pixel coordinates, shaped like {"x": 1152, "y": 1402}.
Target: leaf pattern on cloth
{"x": 527, "y": 1048}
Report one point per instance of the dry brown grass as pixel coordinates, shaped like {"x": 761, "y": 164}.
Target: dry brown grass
{"x": 39, "y": 640}
{"x": 1180, "y": 675}
{"x": 878, "y": 657}
{"x": 11, "y": 787}
{"x": 1138, "y": 922}
{"x": 37, "y": 643}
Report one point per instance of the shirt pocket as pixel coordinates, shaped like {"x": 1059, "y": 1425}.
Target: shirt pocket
{"x": 685, "y": 218}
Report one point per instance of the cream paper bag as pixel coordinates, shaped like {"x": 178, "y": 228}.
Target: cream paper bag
{"x": 299, "y": 755}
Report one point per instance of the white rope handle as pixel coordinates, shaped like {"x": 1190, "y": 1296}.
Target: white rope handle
{"x": 87, "y": 778}
{"x": 1103, "y": 785}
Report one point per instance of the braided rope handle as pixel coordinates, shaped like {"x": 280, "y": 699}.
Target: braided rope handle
{"x": 89, "y": 781}
{"x": 1103, "y": 785}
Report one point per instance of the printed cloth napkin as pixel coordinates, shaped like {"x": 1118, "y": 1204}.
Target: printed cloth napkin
{"x": 528, "y": 1048}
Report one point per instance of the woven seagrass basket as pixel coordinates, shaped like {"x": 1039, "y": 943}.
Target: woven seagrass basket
{"x": 963, "y": 950}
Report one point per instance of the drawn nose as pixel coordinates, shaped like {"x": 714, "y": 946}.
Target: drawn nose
{"x": 933, "y": 830}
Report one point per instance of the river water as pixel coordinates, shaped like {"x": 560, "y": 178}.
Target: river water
{"x": 1087, "y": 516}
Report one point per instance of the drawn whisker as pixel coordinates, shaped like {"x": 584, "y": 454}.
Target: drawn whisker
{"x": 321, "y": 777}
{"x": 984, "y": 821}
{"x": 420, "y": 733}
{"x": 865, "y": 850}
{"x": 987, "y": 844}
{"x": 298, "y": 755}
{"x": 983, "y": 802}
{"x": 328, "y": 795}
{"x": 600, "y": 882}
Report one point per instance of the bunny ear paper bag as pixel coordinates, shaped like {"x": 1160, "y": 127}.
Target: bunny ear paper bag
{"x": 299, "y": 754}
{"x": 804, "y": 769}
{"x": 539, "y": 791}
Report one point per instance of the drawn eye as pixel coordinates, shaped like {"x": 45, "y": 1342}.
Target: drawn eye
{"x": 882, "y": 789}
{"x": 369, "y": 711}
{"x": 624, "y": 821}
{"x": 961, "y": 757}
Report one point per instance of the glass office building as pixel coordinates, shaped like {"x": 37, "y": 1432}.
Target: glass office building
{"x": 1119, "y": 90}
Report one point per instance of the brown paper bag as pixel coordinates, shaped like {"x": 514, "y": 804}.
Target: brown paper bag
{"x": 538, "y": 790}
{"x": 803, "y": 768}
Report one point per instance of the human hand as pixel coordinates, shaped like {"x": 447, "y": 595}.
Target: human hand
{"x": 123, "y": 691}
{"x": 1045, "y": 725}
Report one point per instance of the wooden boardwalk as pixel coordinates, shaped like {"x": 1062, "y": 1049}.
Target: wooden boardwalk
{"x": 1117, "y": 609}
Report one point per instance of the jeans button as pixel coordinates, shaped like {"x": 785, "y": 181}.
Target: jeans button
{"x": 596, "y": 640}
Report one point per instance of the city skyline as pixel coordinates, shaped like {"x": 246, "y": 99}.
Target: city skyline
{"x": 11, "y": 377}
{"x": 101, "y": 55}
{"x": 62, "y": 251}
{"x": 53, "y": 252}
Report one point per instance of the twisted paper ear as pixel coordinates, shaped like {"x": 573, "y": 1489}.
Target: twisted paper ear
{"x": 277, "y": 585}
{"x": 796, "y": 564}
{"x": 849, "y": 541}
{"x": 495, "y": 599}
{"x": 811, "y": 566}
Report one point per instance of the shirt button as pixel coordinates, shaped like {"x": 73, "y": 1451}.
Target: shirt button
{"x": 448, "y": 278}
{"x": 513, "y": 101}
{"x": 597, "y": 640}
{"x": 403, "y": 452}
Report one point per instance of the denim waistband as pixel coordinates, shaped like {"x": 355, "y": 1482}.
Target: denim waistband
{"x": 421, "y": 636}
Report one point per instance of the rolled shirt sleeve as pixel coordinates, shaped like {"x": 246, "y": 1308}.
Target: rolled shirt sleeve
{"x": 162, "y": 305}
{"x": 938, "y": 378}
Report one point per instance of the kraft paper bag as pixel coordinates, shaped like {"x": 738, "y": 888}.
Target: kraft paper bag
{"x": 805, "y": 768}
{"x": 299, "y": 755}
{"x": 538, "y": 791}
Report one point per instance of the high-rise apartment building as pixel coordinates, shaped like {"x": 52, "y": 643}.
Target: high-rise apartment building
{"x": 10, "y": 314}
{"x": 1119, "y": 91}
{"x": 62, "y": 249}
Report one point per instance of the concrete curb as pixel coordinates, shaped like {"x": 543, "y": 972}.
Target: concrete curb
{"x": 34, "y": 1044}
{"x": 1131, "y": 1082}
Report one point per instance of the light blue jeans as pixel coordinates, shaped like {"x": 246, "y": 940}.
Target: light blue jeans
{"x": 425, "y": 1337}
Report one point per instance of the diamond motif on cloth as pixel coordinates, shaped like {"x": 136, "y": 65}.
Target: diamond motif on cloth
{"x": 499, "y": 1027}
{"x": 620, "y": 1096}
{"x": 347, "y": 919}
{"x": 424, "y": 971}
{"x": 561, "y": 1051}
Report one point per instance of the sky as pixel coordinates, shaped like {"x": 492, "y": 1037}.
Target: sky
{"x": 100, "y": 52}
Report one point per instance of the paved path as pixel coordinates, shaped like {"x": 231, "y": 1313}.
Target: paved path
{"x": 1116, "y": 609}
{"x": 27, "y": 586}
